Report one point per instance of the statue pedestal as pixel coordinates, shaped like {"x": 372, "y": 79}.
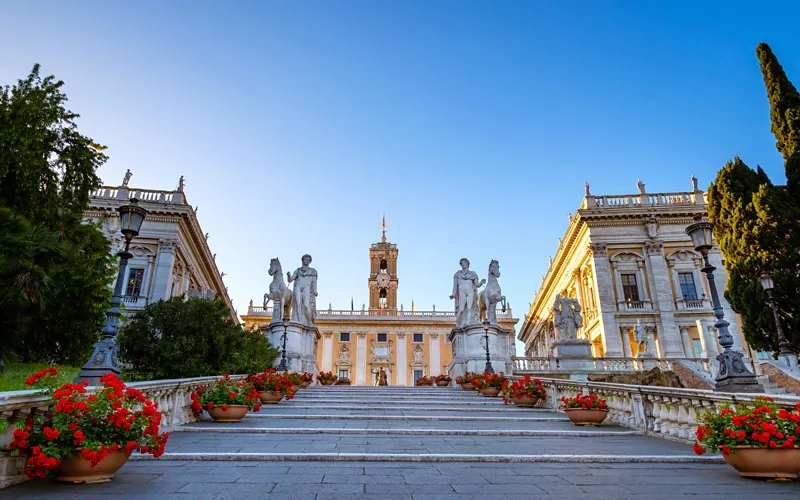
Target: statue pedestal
{"x": 300, "y": 345}
{"x": 469, "y": 349}
{"x": 575, "y": 357}
{"x": 647, "y": 359}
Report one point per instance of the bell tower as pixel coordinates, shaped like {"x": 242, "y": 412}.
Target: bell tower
{"x": 383, "y": 276}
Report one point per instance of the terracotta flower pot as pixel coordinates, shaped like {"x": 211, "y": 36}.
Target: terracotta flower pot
{"x": 468, "y": 387}
{"x": 579, "y": 416}
{"x": 77, "y": 470}
{"x": 270, "y": 397}
{"x": 326, "y": 382}
{"x": 343, "y": 383}
{"x": 234, "y": 413}
{"x": 764, "y": 462}
{"x": 305, "y": 384}
{"x": 295, "y": 388}
{"x": 442, "y": 383}
{"x": 490, "y": 391}
{"x": 524, "y": 401}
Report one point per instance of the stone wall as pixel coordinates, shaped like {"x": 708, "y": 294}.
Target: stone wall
{"x": 784, "y": 380}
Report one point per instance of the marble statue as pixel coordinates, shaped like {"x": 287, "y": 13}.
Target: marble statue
{"x": 127, "y": 177}
{"x": 344, "y": 353}
{"x": 279, "y": 293}
{"x": 694, "y": 184}
{"x": 491, "y": 296}
{"x": 586, "y": 187}
{"x": 640, "y": 335}
{"x": 380, "y": 378}
{"x": 181, "y": 184}
{"x": 567, "y": 317}
{"x": 465, "y": 293}
{"x": 304, "y": 309}
{"x": 640, "y": 185}
{"x": 418, "y": 353}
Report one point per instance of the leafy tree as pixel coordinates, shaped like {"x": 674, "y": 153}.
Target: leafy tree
{"x": 179, "y": 338}
{"x": 757, "y": 224}
{"x": 55, "y": 270}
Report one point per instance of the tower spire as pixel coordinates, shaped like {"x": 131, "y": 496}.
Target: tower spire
{"x": 383, "y": 225}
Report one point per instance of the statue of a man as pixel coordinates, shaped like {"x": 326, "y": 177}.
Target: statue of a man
{"x": 128, "y": 175}
{"x": 567, "y": 317}
{"x": 465, "y": 293}
{"x": 640, "y": 335}
{"x": 305, "y": 292}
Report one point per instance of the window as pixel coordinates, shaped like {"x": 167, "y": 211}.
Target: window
{"x": 381, "y": 337}
{"x": 135, "y": 277}
{"x": 629, "y": 288}
{"x": 344, "y": 337}
{"x": 697, "y": 347}
{"x": 417, "y": 338}
{"x": 344, "y": 373}
{"x": 382, "y": 299}
{"x": 384, "y": 265}
{"x": 418, "y": 374}
{"x": 688, "y": 290}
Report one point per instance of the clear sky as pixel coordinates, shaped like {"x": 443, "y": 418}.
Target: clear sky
{"x": 471, "y": 125}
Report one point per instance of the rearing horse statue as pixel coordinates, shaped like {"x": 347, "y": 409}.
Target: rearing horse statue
{"x": 279, "y": 293}
{"x": 490, "y": 296}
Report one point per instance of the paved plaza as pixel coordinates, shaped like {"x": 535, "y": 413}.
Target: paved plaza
{"x": 413, "y": 443}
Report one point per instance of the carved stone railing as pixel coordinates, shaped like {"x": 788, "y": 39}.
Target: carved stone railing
{"x": 173, "y": 398}
{"x": 143, "y": 195}
{"x": 644, "y": 199}
{"x": 347, "y": 313}
{"x": 534, "y": 365}
{"x": 660, "y": 411}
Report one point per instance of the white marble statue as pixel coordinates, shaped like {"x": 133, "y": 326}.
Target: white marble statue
{"x": 567, "y": 317}
{"x": 491, "y": 296}
{"x": 305, "y": 292}
{"x": 127, "y": 178}
{"x": 465, "y": 293}
{"x": 279, "y": 293}
{"x": 640, "y": 335}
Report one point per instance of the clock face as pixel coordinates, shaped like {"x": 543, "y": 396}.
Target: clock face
{"x": 383, "y": 279}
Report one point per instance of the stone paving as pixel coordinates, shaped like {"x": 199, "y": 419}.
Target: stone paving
{"x": 426, "y": 444}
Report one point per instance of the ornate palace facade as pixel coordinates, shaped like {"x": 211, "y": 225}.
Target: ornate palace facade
{"x": 628, "y": 260}
{"x": 171, "y": 254}
{"x": 357, "y": 343}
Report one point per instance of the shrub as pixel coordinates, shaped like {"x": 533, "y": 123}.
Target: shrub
{"x": 179, "y": 338}
{"x": 487, "y": 379}
{"x": 343, "y": 381}
{"x": 224, "y": 393}
{"x": 586, "y": 402}
{"x": 442, "y": 377}
{"x": 324, "y": 376}
{"x": 272, "y": 381}
{"x": 526, "y": 387}
{"x": 466, "y": 378}
{"x": 424, "y": 380}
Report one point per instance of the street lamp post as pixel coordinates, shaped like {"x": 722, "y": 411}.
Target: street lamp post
{"x": 733, "y": 375}
{"x": 105, "y": 356}
{"x": 786, "y": 355}
{"x": 282, "y": 366}
{"x": 488, "y": 368}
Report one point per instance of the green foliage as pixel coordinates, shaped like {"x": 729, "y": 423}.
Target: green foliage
{"x": 55, "y": 270}
{"x": 45, "y": 163}
{"x": 757, "y": 224}
{"x": 180, "y": 338}
{"x": 13, "y": 377}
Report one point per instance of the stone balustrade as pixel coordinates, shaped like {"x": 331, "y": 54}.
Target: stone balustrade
{"x": 143, "y": 195}
{"x": 523, "y": 365}
{"x": 347, "y": 313}
{"x": 644, "y": 199}
{"x": 667, "y": 412}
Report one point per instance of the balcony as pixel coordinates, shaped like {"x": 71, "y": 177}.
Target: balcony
{"x": 135, "y": 302}
{"x": 637, "y": 305}
{"x": 692, "y": 304}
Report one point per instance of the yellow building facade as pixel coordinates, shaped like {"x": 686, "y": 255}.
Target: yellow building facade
{"x": 357, "y": 344}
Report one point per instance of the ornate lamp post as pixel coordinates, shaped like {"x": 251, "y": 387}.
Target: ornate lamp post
{"x": 282, "y": 366}
{"x": 785, "y": 353}
{"x": 105, "y": 357}
{"x": 488, "y": 368}
{"x": 733, "y": 375}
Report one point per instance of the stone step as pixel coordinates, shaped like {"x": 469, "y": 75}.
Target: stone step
{"x": 441, "y": 418}
{"x": 400, "y": 397}
{"x": 402, "y": 408}
{"x": 434, "y": 457}
{"x": 601, "y": 431}
{"x": 373, "y": 401}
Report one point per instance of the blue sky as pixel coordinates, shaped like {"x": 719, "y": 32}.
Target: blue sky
{"x": 471, "y": 125}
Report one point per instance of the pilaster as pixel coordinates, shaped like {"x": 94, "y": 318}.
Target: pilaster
{"x": 612, "y": 345}
{"x": 658, "y": 275}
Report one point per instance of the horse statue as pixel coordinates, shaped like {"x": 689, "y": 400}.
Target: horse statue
{"x": 280, "y": 294}
{"x": 490, "y": 296}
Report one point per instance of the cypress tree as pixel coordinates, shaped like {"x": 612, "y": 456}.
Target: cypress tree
{"x": 784, "y": 101}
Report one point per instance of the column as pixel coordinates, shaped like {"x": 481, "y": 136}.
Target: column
{"x": 707, "y": 340}
{"x": 659, "y": 276}
{"x": 608, "y": 307}
{"x": 165, "y": 261}
{"x": 327, "y": 352}
{"x": 688, "y": 351}
{"x": 626, "y": 344}
{"x": 402, "y": 362}
{"x": 361, "y": 359}
{"x": 434, "y": 354}
{"x": 148, "y": 271}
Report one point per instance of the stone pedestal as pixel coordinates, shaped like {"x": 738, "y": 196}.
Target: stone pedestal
{"x": 574, "y": 357}
{"x": 647, "y": 360}
{"x": 300, "y": 345}
{"x": 469, "y": 351}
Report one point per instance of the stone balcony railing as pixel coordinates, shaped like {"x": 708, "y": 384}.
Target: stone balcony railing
{"x": 445, "y": 316}
{"x": 534, "y": 365}
{"x": 644, "y": 200}
{"x": 143, "y": 195}
{"x": 660, "y": 411}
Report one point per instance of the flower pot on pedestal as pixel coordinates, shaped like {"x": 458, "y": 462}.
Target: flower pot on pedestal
{"x": 581, "y": 416}
{"x": 468, "y": 387}
{"x": 269, "y": 397}
{"x": 524, "y": 401}
{"x": 232, "y": 413}
{"x": 765, "y": 462}
{"x": 75, "y": 469}
{"x": 490, "y": 391}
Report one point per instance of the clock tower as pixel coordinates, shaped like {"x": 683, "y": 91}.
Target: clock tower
{"x": 383, "y": 276}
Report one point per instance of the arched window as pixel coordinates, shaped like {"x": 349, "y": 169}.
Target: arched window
{"x": 384, "y": 265}
{"x": 382, "y": 300}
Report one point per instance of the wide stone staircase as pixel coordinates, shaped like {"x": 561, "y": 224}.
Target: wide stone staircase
{"x": 420, "y": 443}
